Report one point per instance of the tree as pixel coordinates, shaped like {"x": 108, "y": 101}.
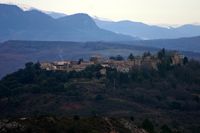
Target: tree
{"x": 123, "y": 78}
{"x": 165, "y": 129}
{"x": 29, "y": 65}
{"x": 132, "y": 118}
{"x": 161, "y": 54}
{"x": 79, "y": 61}
{"x": 185, "y": 60}
{"x": 99, "y": 97}
{"x": 146, "y": 54}
{"x": 4, "y": 91}
{"x": 131, "y": 57}
{"x": 148, "y": 126}
{"x": 118, "y": 58}
{"x": 37, "y": 65}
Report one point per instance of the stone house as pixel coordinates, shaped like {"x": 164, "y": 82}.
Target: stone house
{"x": 177, "y": 58}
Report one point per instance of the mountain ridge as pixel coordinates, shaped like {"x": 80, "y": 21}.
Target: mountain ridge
{"x": 17, "y": 24}
{"x": 146, "y": 31}
{"x": 180, "y": 44}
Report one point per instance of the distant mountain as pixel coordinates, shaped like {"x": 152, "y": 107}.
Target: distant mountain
{"x": 149, "y": 31}
{"x": 182, "y": 44}
{"x": 55, "y": 14}
{"x": 16, "y": 24}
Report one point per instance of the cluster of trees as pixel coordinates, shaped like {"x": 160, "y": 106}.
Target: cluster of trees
{"x": 117, "y": 58}
{"x": 180, "y": 82}
{"x": 130, "y": 57}
{"x": 149, "y": 127}
{"x": 35, "y": 80}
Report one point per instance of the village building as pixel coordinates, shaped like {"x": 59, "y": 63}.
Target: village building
{"x": 149, "y": 61}
{"x": 177, "y": 58}
{"x": 66, "y": 65}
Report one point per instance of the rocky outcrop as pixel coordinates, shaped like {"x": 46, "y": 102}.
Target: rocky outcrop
{"x": 132, "y": 127}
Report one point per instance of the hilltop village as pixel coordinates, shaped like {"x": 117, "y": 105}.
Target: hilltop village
{"x": 161, "y": 83}
{"x": 122, "y": 65}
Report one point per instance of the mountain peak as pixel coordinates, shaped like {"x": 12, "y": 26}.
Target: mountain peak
{"x": 9, "y": 8}
{"x": 80, "y": 16}
{"x": 81, "y": 20}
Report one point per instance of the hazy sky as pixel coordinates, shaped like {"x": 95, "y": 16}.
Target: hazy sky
{"x": 148, "y": 11}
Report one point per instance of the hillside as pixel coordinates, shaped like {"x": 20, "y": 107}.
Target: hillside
{"x": 167, "y": 96}
{"x": 16, "y": 24}
{"x": 50, "y": 124}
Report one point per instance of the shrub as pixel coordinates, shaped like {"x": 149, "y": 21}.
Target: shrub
{"x": 148, "y": 126}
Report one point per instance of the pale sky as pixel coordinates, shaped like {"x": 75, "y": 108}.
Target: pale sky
{"x": 147, "y": 11}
